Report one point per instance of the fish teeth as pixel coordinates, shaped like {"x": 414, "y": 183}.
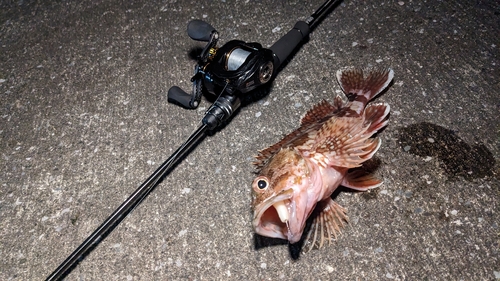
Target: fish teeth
{"x": 282, "y": 211}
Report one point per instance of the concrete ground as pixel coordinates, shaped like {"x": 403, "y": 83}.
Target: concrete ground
{"x": 85, "y": 120}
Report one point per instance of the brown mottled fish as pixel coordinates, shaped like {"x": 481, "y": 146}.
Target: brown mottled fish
{"x": 297, "y": 175}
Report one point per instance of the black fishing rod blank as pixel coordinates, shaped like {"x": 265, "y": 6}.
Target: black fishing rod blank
{"x": 230, "y": 71}
{"x": 120, "y": 213}
{"x": 219, "y": 112}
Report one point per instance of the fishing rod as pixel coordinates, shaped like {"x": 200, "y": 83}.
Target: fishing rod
{"x": 227, "y": 72}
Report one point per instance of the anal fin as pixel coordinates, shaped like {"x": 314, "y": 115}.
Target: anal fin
{"x": 330, "y": 219}
{"x": 360, "y": 180}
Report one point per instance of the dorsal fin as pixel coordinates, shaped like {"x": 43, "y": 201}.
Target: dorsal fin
{"x": 296, "y": 137}
{"x": 359, "y": 90}
{"x": 321, "y": 111}
{"x": 312, "y": 121}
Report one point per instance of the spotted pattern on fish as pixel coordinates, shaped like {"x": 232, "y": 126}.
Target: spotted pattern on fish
{"x": 297, "y": 175}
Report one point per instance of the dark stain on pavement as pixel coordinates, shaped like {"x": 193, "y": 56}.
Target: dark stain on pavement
{"x": 457, "y": 158}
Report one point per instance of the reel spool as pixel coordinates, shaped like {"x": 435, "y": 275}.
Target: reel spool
{"x": 235, "y": 58}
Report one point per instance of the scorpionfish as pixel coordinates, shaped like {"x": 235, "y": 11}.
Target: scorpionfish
{"x": 297, "y": 176}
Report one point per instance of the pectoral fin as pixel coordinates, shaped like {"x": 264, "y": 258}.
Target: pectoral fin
{"x": 330, "y": 219}
{"x": 344, "y": 142}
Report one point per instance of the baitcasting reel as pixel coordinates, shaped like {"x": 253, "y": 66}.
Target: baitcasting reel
{"x": 236, "y": 67}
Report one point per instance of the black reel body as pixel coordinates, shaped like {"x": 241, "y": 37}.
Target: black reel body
{"x": 226, "y": 72}
{"x": 235, "y": 68}
{"x": 239, "y": 67}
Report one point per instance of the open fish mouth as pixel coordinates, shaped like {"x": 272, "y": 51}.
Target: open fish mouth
{"x": 272, "y": 216}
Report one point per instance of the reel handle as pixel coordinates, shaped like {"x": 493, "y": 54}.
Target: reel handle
{"x": 200, "y": 30}
{"x": 178, "y": 95}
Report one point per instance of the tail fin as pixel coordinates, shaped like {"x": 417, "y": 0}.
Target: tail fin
{"x": 360, "y": 89}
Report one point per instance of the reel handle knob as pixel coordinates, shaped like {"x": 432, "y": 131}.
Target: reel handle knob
{"x": 179, "y": 96}
{"x": 200, "y": 30}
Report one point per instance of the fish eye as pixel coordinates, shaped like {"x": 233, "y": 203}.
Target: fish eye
{"x": 262, "y": 184}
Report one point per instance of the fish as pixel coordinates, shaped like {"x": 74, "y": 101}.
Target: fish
{"x": 296, "y": 177}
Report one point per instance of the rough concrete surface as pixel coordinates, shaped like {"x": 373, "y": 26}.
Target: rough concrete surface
{"x": 85, "y": 120}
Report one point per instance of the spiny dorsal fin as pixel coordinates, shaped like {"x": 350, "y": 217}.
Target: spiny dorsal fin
{"x": 295, "y": 138}
{"x": 321, "y": 111}
{"x": 313, "y": 120}
{"x": 359, "y": 90}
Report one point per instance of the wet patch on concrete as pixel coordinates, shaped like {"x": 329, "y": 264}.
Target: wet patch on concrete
{"x": 457, "y": 158}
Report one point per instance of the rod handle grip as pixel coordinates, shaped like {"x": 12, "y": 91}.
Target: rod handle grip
{"x": 286, "y": 44}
